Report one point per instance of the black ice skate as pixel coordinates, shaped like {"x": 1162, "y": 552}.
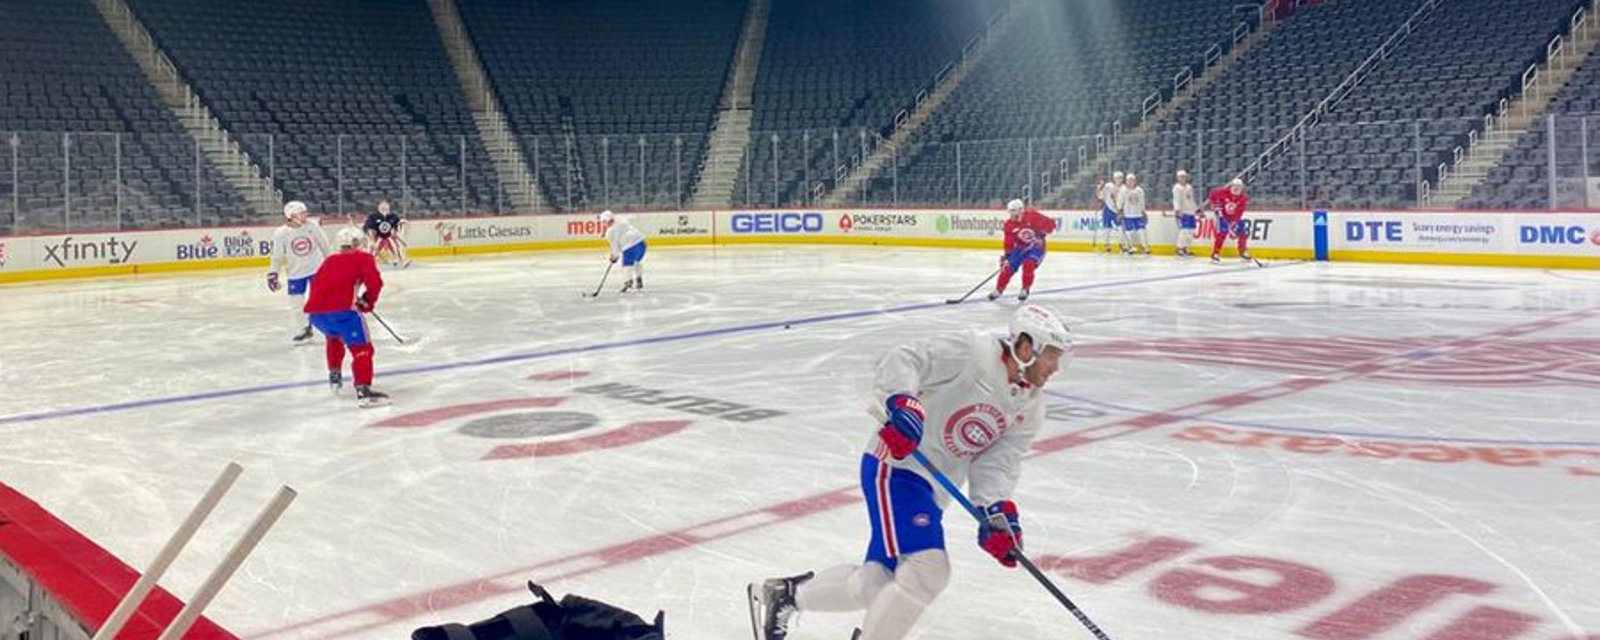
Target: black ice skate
{"x": 335, "y": 380}
{"x": 1022, "y": 297}
{"x": 772, "y": 606}
{"x": 994, "y": 295}
{"x": 366, "y": 397}
{"x": 638, "y": 284}
{"x": 626, "y": 287}
{"x": 304, "y": 337}
{"x": 1216, "y": 259}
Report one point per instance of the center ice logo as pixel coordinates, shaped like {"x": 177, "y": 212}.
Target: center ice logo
{"x": 972, "y": 429}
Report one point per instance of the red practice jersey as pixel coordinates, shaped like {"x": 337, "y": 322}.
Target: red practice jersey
{"x": 1229, "y": 205}
{"x": 334, "y": 286}
{"x": 1028, "y": 232}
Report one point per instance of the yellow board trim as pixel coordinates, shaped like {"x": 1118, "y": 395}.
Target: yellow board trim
{"x": 1468, "y": 259}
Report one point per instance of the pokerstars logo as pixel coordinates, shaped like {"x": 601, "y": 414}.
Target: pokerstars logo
{"x": 972, "y": 429}
{"x": 845, "y": 223}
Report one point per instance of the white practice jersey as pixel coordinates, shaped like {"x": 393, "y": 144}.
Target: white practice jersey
{"x": 1133, "y": 202}
{"x": 1183, "y": 198}
{"x": 1108, "y": 195}
{"x": 978, "y": 423}
{"x": 623, "y": 235}
{"x": 299, "y": 251}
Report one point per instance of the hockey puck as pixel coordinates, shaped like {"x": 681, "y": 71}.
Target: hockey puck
{"x": 786, "y": 326}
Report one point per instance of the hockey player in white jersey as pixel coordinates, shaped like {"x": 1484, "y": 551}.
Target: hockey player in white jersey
{"x": 298, "y": 248}
{"x": 1184, "y": 208}
{"x": 1134, "y": 221}
{"x": 1110, "y": 210}
{"x": 628, "y": 245}
{"x": 980, "y": 396}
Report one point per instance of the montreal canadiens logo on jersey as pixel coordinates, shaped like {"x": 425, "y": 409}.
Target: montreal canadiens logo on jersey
{"x": 972, "y": 429}
{"x": 301, "y": 246}
{"x": 1026, "y": 235}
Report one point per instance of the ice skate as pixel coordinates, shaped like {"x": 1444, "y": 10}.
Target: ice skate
{"x": 366, "y": 397}
{"x": 772, "y": 607}
{"x": 304, "y": 337}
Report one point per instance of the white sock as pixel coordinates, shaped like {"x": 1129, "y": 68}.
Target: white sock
{"x": 843, "y": 588}
{"x": 917, "y": 581}
{"x": 298, "y": 312}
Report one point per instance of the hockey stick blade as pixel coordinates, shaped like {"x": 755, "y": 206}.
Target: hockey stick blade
{"x": 386, "y": 326}
{"x": 974, "y": 289}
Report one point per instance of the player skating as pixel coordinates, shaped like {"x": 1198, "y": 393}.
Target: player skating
{"x": 1184, "y": 208}
{"x": 1134, "y": 221}
{"x": 981, "y": 396}
{"x": 1025, "y": 232}
{"x": 1230, "y": 202}
{"x": 626, "y": 244}
{"x": 383, "y": 230}
{"x": 336, "y": 307}
{"x": 1110, "y": 211}
{"x": 298, "y": 248}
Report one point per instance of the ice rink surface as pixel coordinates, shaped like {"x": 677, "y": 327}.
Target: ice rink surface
{"x": 1334, "y": 452}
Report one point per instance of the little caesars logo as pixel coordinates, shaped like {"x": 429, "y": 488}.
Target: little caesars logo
{"x": 450, "y": 232}
{"x": 108, "y": 251}
{"x": 986, "y": 225}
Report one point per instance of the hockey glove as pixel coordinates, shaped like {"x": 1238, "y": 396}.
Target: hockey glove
{"x": 1003, "y": 533}
{"x": 613, "y": 258}
{"x": 363, "y": 304}
{"x": 903, "y": 432}
{"x": 272, "y": 282}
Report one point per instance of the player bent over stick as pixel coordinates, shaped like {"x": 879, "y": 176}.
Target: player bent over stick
{"x": 336, "y": 311}
{"x": 1025, "y": 232}
{"x": 982, "y": 396}
{"x": 627, "y": 244}
{"x": 1230, "y": 202}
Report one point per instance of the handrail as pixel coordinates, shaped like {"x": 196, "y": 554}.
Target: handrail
{"x": 1182, "y": 79}
{"x": 1239, "y": 32}
{"x": 1554, "y": 48}
{"x": 1213, "y": 54}
{"x": 1150, "y": 103}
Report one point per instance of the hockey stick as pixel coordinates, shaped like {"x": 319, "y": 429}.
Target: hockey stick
{"x": 602, "y": 284}
{"x": 1022, "y": 559}
{"x": 375, "y": 316}
{"x": 974, "y": 289}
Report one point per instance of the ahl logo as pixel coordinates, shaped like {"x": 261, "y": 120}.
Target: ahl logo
{"x": 845, "y": 223}
{"x": 446, "y": 231}
{"x": 942, "y": 223}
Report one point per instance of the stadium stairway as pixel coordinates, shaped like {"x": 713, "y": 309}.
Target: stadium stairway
{"x": 852, "y": 184}
{"x": 726, "y": 149}
{"x": 219, "y": 146}
{"x": 1462, "y": 179}
{"x": 511, "y": 169}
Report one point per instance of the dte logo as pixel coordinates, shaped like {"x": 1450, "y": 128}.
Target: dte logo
{"x": 1558, "y": 234}
{"x": 810, "y": 222}
{"x": 1373, "y": 231}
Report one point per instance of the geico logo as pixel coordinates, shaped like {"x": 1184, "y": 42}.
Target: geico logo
{"x": 1556, "y": 234}
{"x": 810, "y": 222}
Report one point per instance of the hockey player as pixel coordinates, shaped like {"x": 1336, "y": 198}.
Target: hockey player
{"x": 1110, "y": 212}
{"x": 1025, "y": 231}
{"x": 1184, "y": 208}
{"x": 980, "y": 395}
{"x": 627, "y": 244}
{"x": 298, "y": 248}
{"x": 1134, "y": 221}
{"x": 1230, "y": 202}
{"x": 336, "y": 309}
{"x": 383, "y": 231}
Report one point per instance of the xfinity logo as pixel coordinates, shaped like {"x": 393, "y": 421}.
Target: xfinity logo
{"x": 110, "y": 250}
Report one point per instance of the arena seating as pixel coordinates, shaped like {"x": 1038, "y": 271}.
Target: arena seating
{"x": 1064, "y": 73}
{"x": 323, "y": 89}
{"x": 1522, "y": 179}
{"x": 82, "y": 114}
{"x": 589, "y": 79}
{"x": 846, "y": 66}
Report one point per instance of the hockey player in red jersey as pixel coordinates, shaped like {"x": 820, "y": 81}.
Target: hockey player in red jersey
{"x": 1230, "y": 202}
{"x": 1025, "y": 231}
{"x": 335, "y": 310}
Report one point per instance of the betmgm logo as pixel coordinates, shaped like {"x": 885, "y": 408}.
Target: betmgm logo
{"x": 1558, "y": 234}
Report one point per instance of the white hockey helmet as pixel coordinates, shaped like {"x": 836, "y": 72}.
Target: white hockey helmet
{"x": 1116, "y": 175}
{"x": 1236, "y": 182}
{"x": 1130, "y": 177}
{"x": 1182, "y": 173}
{"x": 350, "y": 237}
{"x": 1043, "y": 329}
{"x": 607, "y": 216}
{"x": 1014, "y": 206}
{"x": 293, "y": 207}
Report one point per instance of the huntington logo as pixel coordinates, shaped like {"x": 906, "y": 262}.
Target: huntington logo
{"x": 942, "y": 223}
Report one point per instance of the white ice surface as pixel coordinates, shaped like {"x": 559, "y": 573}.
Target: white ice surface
{"x": 111, "y": 417}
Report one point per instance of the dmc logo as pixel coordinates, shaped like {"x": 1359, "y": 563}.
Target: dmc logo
{"x": 809, "y": 222}
{"x": 205, "y": 249}
{"x": 1373, "y": 231}
{"x": 845, "y": 224}
{"x": 942, "y": 223}
{"x": 446, "y": 231}
{"x": 583, "y": 227}
{"x": 111, "y": 251}
{"x": 1557, "y": 234}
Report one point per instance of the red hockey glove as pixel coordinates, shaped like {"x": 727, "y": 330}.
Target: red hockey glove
{"x": 903, "y": 432}
{"x": 1003, "y": 533}
{"x": 272, "y": 282}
